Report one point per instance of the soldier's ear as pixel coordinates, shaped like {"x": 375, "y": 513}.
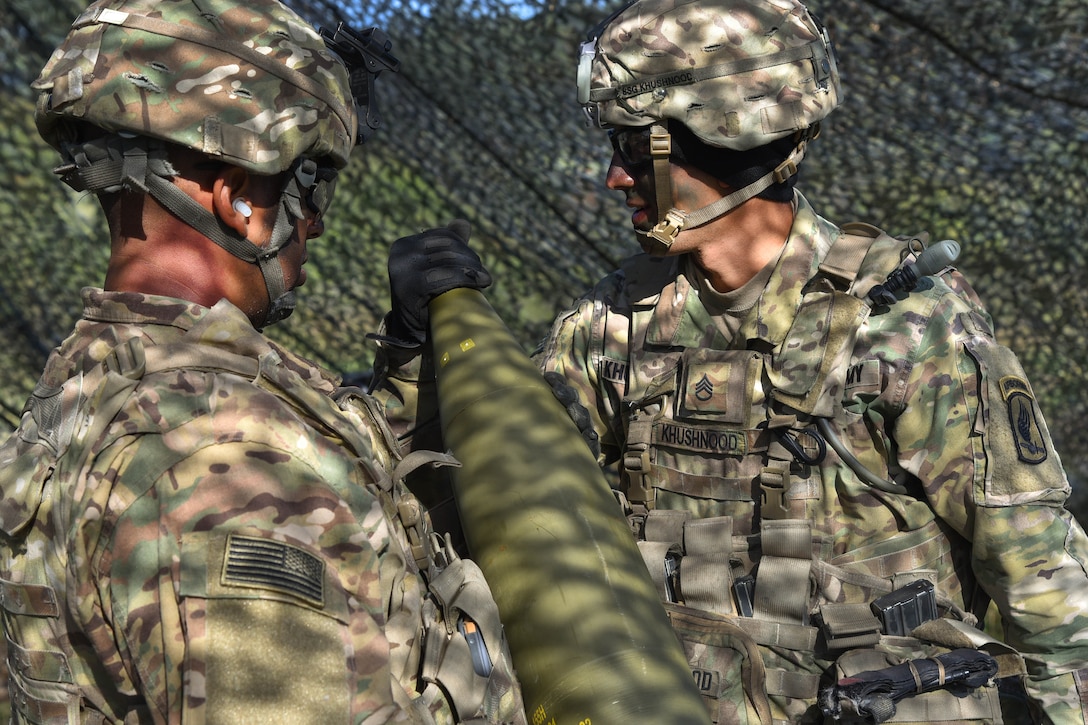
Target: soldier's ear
{"x": 229, "y": 200}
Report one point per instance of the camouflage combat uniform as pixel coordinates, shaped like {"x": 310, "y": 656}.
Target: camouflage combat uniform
{"x": 200, "y": 526}
{"x": 711, "y": 411}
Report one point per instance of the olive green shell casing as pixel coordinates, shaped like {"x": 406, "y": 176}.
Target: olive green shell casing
{"x": 590, "y": 639}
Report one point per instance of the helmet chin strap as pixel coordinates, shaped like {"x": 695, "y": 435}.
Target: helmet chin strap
{"x": 115, "y": 163}
{"x": 668, "y": 227}
{"x": 184, "y": 207}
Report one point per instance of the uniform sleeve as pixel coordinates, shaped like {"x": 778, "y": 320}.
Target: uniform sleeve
{"x": 400, "y": 382}
{"x": 972, "y": 432}
{"x": 245, "y": 584}
{"x": 567, "y": 350}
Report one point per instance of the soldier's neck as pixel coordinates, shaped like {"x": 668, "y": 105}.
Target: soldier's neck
{"x": 737, "y": 246}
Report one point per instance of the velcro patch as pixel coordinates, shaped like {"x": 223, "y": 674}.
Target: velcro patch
{"x": 716, "y": 384}
{"x": 614, "y": 371}
{"x": 863, "y": 377}
{"x": 276, "y": 566}
{"x": 709, "y": 682}
{"x": 701, "y": 438}
{"x": 1030, "y": 445}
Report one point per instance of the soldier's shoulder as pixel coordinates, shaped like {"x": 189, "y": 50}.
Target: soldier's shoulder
{"x": 194, "y": 408}
{"x": 925, "y": 322}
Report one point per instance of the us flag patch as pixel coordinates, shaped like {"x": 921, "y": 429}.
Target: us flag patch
{"x": 276, "y": 566}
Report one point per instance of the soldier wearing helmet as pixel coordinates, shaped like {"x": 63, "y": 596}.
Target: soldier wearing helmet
{"x": 199, "y": 524}
{"x": 829, "y": 461}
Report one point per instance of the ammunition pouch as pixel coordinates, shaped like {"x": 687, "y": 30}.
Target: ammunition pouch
{"x": 465, "y": 652}
{"x": 934, "y": 639}
{"x": 750, "y": 669}
{"x": 962, "y": 705}
{"x": 726, "y": 664}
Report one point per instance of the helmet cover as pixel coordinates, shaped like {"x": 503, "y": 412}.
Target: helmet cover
{"x": 248, "y": 82}
{"x": 738, "y": 73}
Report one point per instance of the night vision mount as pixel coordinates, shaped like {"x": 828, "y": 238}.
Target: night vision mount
{"x": 366, "y": 54}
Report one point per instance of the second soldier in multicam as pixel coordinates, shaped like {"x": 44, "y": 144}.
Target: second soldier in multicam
{"x": 801, "y": 428}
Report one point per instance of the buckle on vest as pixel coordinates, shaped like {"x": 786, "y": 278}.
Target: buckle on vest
{"x": 410, "y": 512}
{"x": 772, "y": 486}
{"x": 636, "y": 466}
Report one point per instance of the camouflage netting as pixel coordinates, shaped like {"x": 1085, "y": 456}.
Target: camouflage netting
{"x": 965, "y": 119}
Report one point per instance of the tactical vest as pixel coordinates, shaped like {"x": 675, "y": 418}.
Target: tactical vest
{"x": 469, "y": 667}
{"x": 728, "y": 453}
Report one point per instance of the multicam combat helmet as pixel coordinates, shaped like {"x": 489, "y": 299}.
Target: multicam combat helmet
{"x": 246, "y": 82}
{"x": 738, "y": 74}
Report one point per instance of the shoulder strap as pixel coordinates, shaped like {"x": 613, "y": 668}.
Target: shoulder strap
{"x": 804, "y": 378}
{"x": 844, "y": 259}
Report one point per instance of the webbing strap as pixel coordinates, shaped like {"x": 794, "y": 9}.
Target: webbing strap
{"x": 38, "y": 664}
{"x": 660, "y": 152}
{"x": 944, "y": 706}
{"x": 101, "y": 175}
{"x": 636, "y": 463}
{"x": 844, "y": 259}
{"x": 666, "y": 525}
{"x": 34, "y": 600}
{"x": 695, "y": 485}
{"x": 705, "y": 573}
{"x": 776, "y": 634}
{"x": 40, "y": 712}
{"x": 850, "y": 625}
{"x": 797, "y": 685}
{"x": 782, "y": 582}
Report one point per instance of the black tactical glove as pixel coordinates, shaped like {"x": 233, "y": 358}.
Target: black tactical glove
{"x": 423, "y": 266}
{"x": 873, "y": 694}
{"x": 568, "y": 398}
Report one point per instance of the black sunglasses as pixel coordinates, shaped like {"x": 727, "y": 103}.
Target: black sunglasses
{"x": 633, "y": 146}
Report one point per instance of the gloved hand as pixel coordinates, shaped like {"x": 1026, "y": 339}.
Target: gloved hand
{"x": 423, "y": 266}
